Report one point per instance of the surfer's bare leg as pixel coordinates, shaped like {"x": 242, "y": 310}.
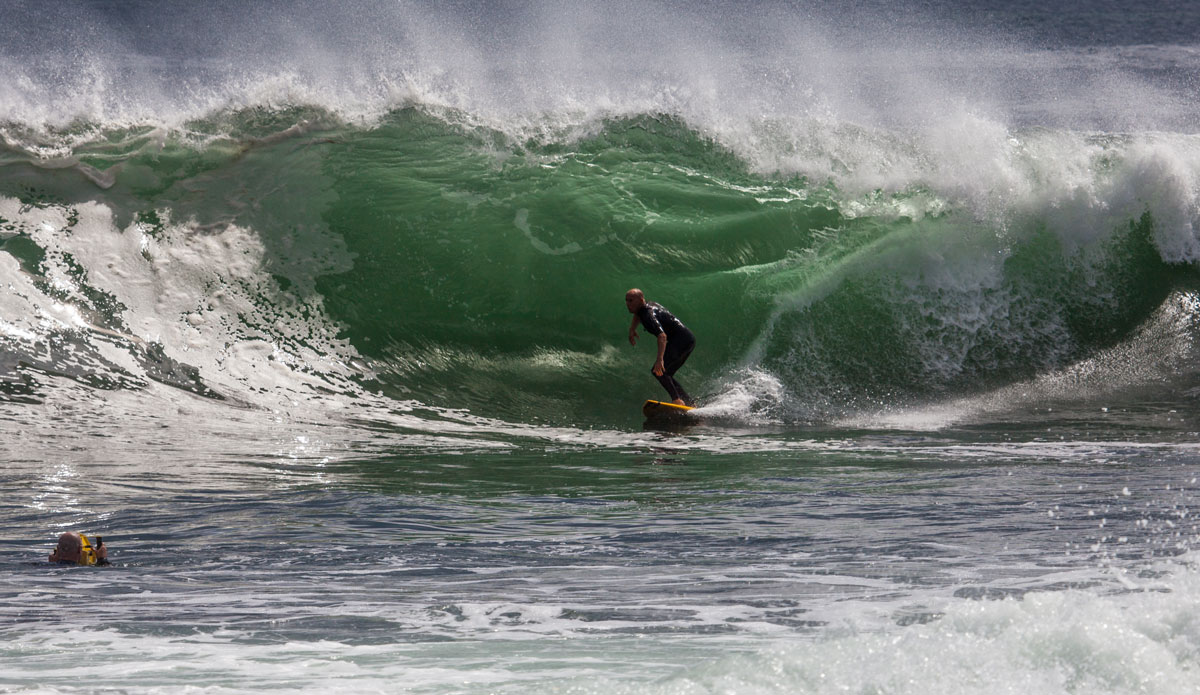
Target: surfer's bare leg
{"x": 674, "y": 390}
{"x": 674, "y": 361}
{"x": 684, "y": 398}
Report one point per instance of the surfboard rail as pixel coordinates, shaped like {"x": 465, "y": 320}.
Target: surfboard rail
{"x": 662, "y": 410}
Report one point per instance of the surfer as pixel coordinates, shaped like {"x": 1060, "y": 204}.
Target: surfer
{"x": 675, "y": 342}
{"x": 75, "y": 549}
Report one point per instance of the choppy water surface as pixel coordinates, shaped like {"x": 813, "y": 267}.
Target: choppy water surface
{"x": 315, "y": 317}
{"x": 353, "y": 558}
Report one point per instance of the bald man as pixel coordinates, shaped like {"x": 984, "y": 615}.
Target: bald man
{"x": 70, "y": 551}
{"x": 675, "y": 342}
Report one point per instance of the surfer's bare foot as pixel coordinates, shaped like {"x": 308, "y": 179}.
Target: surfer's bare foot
{"x": 678, "y": 401}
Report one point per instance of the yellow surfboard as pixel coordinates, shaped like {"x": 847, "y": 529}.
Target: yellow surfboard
{"x": 662, "y": 410}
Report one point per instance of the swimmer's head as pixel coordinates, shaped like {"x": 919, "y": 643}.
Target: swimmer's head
{"x": 69, "y": 548}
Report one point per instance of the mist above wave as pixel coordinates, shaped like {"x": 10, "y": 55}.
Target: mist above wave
{"x": 532, "y": 66}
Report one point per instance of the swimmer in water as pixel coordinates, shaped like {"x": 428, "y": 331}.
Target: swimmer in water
{"x": 76, "y": 549}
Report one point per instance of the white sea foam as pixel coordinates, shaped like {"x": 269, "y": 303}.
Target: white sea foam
{"x": 196, "y": 293}
{"x": 1141, "y": 638}
{"x": 1161, "y": 350}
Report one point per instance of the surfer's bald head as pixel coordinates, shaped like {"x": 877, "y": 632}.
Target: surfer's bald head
{"x": 634, "y": 299}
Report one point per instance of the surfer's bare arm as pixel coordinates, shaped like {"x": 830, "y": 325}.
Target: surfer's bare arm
{"x": 662, "y": 350}
{"x": 633, "y": 331}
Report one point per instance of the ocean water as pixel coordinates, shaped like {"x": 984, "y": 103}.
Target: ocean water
{"x": 315, "y": 314}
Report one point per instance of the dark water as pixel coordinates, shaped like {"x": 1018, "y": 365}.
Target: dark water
{"x": 315, "y": 317}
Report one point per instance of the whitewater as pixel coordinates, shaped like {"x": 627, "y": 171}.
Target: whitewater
{"x": 314, "y": 314}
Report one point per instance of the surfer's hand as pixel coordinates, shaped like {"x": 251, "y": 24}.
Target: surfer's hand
{"x": 658, "y": 368}
{"x": 633, "y": 338}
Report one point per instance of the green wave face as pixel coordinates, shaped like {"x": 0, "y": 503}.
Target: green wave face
{"x": 486, "y": 273}
{"x": 489, "y": 274}
{"x": 473, "y": 271}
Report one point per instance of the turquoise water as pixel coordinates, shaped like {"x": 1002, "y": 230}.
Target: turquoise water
{"x": 316, "y": 318}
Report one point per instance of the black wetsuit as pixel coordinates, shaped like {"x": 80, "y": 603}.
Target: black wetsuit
{"x": 680, "y": 341}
